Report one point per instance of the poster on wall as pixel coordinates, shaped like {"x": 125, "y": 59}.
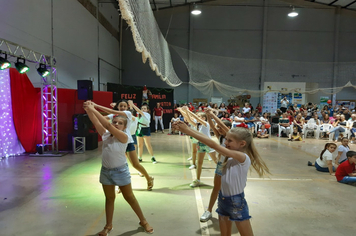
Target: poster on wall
{"x": 270, "y": 103}
{"x": 146, "y": 95}
{"x": 323, "y": 101}
{"x": 298, "y": 99}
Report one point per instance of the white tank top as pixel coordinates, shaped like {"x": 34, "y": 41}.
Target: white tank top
{"x": 234, "y": 176}
{"x": 113, "y": 151}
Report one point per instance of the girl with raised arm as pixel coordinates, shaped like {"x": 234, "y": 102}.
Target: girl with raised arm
{"x": 114, "y": 170}
{"x": 121, "y": 108}
{"x": 240, "y": 152}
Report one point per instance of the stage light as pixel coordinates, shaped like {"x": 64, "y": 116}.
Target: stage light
{"x": 42, "y": 70}
{"x": 21, "y": 66}
{"x": 4, "y": 63}
{"x": 293, "y": 13}
{"x": 196, "y": 11}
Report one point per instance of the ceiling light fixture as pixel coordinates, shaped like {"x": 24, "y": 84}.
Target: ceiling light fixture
{"x": 196, "y": 11}
{"x": 293, "y": 13}
{"x": 4, "y": 63}
{"x": 42, "y": 70}
{"x": 21, "y": 66}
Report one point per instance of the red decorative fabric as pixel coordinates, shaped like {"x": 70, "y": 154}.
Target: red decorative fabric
{"x": 26, "y": 110}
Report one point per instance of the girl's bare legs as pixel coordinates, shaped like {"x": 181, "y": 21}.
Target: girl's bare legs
{"x": 140, "y": 146}
{"x": 131, "y": 199}
{"x": 213, "y": 156}
{"x": 215, "y": 192}
{"x": 244, "y": 227}
{"x": 136, "y": 164}
{"x": 200, "y": 163}
{"x": 109, "y": 191}
{"x": 147, "y": 140}
{"x": 194, "y": 153}
{"x": 225, "y": 225}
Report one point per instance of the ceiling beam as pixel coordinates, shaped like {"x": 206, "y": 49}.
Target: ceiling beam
{"x": 349, "y": 4}
{"x": 333, "y": 2}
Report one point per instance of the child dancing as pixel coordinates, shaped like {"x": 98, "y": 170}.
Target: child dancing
{"x": 240, "y": 153}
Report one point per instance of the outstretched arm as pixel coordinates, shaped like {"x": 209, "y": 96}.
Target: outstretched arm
{"x": 132, "y": 105}
{"x": 217, "y": 120}
{"x": 191, "y": 114}
{"x": 109, "y": 110}
{"x": 239, "y": 156}
{"x": 102, "y": 124}
{"x": 187, "y": 117}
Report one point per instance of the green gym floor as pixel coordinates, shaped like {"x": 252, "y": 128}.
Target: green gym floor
{"x": 62, "y": 195}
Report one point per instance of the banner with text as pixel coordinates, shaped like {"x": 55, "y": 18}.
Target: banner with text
{"x": 145, "y": 95}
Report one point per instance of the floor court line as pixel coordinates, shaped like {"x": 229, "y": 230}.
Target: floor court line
{"x": 204, "y": 229}
{"x": 267, "y": 179}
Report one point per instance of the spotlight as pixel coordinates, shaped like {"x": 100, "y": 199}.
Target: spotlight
{"x": 42, "y": 70}
{"x": 196, "y": 11}
{"x": 293, "y": 13}
{"x": 4, "y": 63}
{"x": 21, "y": 66}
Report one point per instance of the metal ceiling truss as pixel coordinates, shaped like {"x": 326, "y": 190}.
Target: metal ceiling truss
{"x": 48, "y": 91}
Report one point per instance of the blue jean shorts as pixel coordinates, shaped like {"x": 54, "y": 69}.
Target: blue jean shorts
{"x": 130, "y": 147}
{"x": 134, "y": 139}
{"x": 119, "y": 176}
{"x": 145, "y": 131}
{"x": 235, "y": 207}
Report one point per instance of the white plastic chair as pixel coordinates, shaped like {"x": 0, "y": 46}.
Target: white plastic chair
{"x": 288, "y": 131}
{"x": 324, "y": 128}
{"x": 310, "y": 126}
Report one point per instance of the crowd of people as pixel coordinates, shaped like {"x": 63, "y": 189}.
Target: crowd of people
{"x": 126, "y": 125}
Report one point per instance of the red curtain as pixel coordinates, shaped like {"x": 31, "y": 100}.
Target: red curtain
{"x": 26, "y": 110}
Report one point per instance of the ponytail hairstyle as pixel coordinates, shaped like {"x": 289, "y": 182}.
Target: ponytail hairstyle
{"x": 257, "y": 162}
{"x": 116, "y": 107}
{"x": 325, "y": 148}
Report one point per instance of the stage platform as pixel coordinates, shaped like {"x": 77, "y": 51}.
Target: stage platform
{"x": 62, "y": 195}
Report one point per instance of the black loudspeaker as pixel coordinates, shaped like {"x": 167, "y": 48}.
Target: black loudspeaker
{"x": 81, "y": 125}
{"x": 115, "y": 96}
{"x": 85, "y": 89}
{"x": 91, "y": 141}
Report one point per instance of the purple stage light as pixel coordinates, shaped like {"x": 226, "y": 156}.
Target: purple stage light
{"x": 9, "y": 142}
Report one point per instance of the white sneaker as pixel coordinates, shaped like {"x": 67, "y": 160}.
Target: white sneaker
{"x": 209, "y": 158}
{"x": 195, "y": 183}
{"x": 206, "y": 216}
{"x": 190, "y": 158}
{"x": 191, "y": 167}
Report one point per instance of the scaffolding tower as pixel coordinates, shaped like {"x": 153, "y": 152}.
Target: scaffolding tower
{"x": 48, "y": 93}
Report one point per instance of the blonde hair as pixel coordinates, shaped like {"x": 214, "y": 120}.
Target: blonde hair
{"x": 257, "y": 163}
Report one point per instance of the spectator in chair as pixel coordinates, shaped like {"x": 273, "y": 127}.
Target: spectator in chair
{"x": 299, "y": 122}
{"x": 339, "y": 126}
{"x": 284, "y": 124}
{"x": 249, "y": 121}
{"x": 351, "y": 124}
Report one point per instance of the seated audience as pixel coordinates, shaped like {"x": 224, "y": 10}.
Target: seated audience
{"x": 299, "y": 123}
{"x": 352, "y": 127}
{"x": 342, "y": 150}
{"x": 249, "y": 121}
{"x": 284, "y": 124}
{"x": 339, "y": 126}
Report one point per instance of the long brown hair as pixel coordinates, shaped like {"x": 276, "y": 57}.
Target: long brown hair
{"x": 257, "y": 162}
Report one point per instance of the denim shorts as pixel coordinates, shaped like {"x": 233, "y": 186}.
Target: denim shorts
{"x": 145, "y": 131}
{"x": 134, "y": 139}
{"x": 119, "y": 176}
{"x": 203, "y": 148}
{"x": 130, "y": 147}
{"x": 235, "y": 207}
